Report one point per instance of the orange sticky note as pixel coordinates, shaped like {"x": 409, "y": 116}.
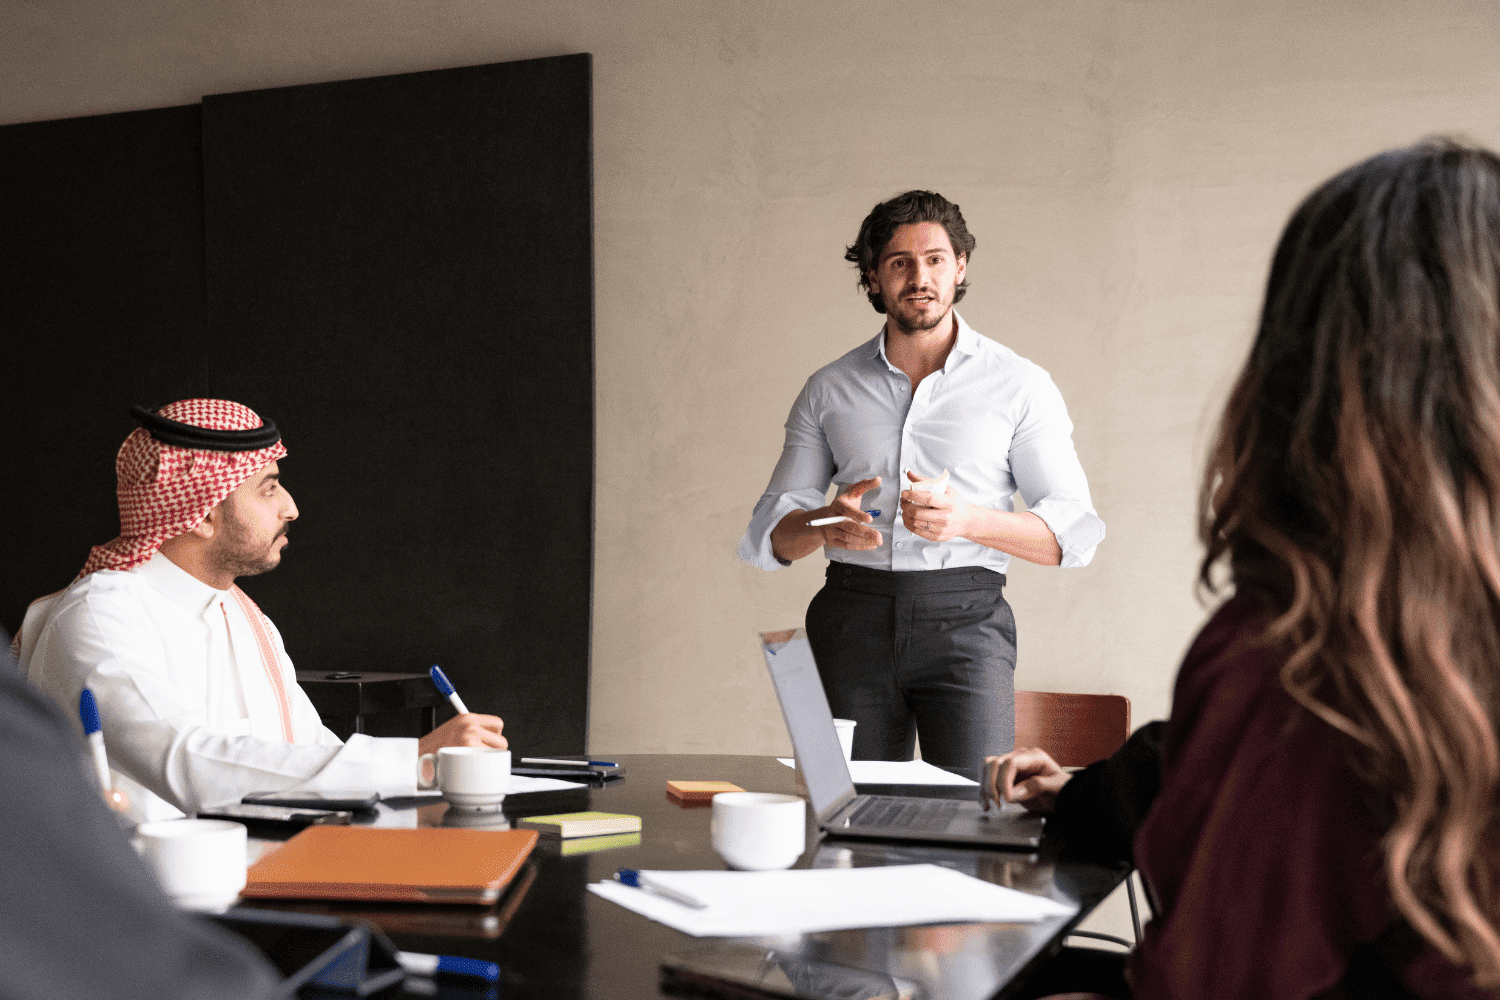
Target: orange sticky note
{"x": 699, "y": 791}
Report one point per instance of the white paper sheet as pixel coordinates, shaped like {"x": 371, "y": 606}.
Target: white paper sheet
{"x": 520, "y": 784}
{"x": 897, "y": 772}
{"x": 757, "y": 904}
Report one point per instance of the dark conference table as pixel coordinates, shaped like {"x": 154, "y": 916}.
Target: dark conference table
{"x": 553, "y": 939}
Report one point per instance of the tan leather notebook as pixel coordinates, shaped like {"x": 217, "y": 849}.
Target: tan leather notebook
{"x": 422, "y": 865}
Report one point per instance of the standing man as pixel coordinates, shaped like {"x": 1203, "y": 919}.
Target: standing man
{"x": 198, "y": 696}
{"x": 911, "y": 631}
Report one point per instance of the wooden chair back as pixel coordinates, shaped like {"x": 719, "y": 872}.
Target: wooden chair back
{"x": 1074, "y": 729}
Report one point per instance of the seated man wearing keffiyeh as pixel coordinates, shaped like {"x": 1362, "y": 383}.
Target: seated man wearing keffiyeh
{"x": 198, "y": 696}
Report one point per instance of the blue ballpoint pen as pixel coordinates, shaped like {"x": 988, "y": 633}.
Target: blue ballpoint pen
{"x": 442, "y": 685}
{"x": 433, "y": 965}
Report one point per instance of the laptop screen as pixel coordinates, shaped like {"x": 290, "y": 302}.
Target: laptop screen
{"x": 804, "y": 706}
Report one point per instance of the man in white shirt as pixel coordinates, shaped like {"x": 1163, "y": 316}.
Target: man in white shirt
{"x": 912, "y": 633}
{"x": 199, "y": 699}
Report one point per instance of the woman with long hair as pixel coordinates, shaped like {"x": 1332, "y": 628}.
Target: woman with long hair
{"x": 1328, "y": 820}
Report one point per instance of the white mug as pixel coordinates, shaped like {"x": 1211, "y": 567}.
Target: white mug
{"x": 470, "y": 777}
{"x": 758, "y": 831}
{"x": 845, "y": 729}
{"x": 199, "y": 862}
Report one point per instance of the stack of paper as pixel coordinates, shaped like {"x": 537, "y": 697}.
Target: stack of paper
{"x": 756, "y": 904}
{"x": 896, "y": 772}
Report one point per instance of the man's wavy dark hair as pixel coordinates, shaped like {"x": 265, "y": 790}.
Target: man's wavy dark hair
{"x": 906, "y": 209}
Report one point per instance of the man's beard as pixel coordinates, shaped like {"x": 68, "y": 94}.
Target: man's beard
{"x": 237, "y": 553}
{"x": 911, "y": 320}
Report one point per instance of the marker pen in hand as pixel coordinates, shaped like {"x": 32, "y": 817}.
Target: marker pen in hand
{"x": 818, "y": 523}
{"x": 442, "y": 685}
{"x": 88, "y": 710}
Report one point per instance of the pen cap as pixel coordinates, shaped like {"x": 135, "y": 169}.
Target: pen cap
{"x": 441, "y": 680}
{"x": 88, "y": 711}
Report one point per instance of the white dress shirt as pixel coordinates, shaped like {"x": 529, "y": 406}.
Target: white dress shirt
{"x": 191, "y": 716}
{"x": 993, "y": 419}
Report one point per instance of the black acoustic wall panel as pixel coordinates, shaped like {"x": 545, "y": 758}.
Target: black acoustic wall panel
{"x": 399, "y": 272}
{"x": 101, "y": 306}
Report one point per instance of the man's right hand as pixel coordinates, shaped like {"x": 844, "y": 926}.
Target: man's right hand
{"x": 1028, "y": 776}
{"x": 856, "y": 532}
{"x": 468, "y": 730}
{"x": 794, "y": 538}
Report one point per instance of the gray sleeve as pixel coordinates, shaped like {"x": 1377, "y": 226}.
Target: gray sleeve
{"x": 82, "y": 914}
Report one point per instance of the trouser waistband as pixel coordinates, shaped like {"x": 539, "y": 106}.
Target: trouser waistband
{"x": 903, "y": 583}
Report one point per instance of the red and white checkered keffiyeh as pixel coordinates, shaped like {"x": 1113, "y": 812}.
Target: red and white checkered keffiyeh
{"x": 165, "y": 490}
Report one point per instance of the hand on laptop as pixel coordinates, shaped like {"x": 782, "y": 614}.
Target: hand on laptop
{"x": 1027, "y": 776}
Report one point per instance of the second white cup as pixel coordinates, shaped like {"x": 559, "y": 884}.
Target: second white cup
{"x": 199, "y": 862}
{"x": 845, "y": 729}
{"x": 470, "y": 777}
{"x": 758, "y": 831}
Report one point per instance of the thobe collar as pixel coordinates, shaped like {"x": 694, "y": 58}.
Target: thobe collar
{"x": 179, "y": 586}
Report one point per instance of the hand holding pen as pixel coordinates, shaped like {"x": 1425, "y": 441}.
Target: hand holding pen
{"x": 843, "y": 525}
{"x": 467, "y": 729}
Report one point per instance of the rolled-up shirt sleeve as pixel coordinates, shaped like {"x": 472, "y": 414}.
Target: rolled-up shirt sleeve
{"x": 800, "y": 482}
{"x": 1049, "y": 476}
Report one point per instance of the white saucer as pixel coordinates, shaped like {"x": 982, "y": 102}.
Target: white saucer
{"x": 474, "y": 803}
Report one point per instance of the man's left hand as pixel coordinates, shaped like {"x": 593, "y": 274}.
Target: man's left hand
{"x": 937, "y": 517}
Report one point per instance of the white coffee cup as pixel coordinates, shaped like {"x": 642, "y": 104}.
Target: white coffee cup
{"x": 199, "y": 862}
{"x": 758, "y": 831}
{"x": 845, "y": 729}
{"x": 469, "y": 777}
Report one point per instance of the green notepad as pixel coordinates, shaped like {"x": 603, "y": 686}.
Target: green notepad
{"x": 582, "y": 824}
{"x": 583, "y": 845}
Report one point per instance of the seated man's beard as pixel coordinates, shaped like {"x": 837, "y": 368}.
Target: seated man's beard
{"x": 236, "y": 552}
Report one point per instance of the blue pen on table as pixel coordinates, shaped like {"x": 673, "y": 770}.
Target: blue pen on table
{"x": 88, "y": 710}
{"x": 436, "y": 673}
{"x": 568, "y": 763}
{"x": 640, "y": 880}
{"x": 818, "y": 523}
{"x": 435, "y": 965}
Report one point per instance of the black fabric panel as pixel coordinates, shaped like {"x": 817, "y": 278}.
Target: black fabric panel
{"x": 101, "y": 306}
{"x": 400, "y": 275}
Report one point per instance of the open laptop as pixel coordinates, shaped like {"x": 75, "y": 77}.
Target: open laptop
{"x": 843, "y": 812}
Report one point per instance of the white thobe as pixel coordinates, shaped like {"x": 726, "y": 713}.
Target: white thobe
{"x": 192, "y": 714}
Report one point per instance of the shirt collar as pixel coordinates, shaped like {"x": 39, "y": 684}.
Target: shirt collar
{"x": 178, "y": 585}
{"x": 967, "y": 343}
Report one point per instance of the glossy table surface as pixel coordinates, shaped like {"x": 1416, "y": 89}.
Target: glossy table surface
{"x": 554, "y": 939}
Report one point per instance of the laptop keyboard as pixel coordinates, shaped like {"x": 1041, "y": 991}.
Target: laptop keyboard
{"x": 890, "y": 811}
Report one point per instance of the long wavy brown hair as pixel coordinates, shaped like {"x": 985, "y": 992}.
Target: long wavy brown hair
{"x": 1355, "y": 487}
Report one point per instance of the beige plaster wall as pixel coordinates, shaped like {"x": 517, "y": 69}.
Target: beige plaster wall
{"x": 1125, "y": 165}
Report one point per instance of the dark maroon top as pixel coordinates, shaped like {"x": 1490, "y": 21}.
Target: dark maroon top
{"x": 1262, "y": 850}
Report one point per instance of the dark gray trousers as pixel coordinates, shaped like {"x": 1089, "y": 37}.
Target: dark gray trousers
{"x": 931, "y": 652}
